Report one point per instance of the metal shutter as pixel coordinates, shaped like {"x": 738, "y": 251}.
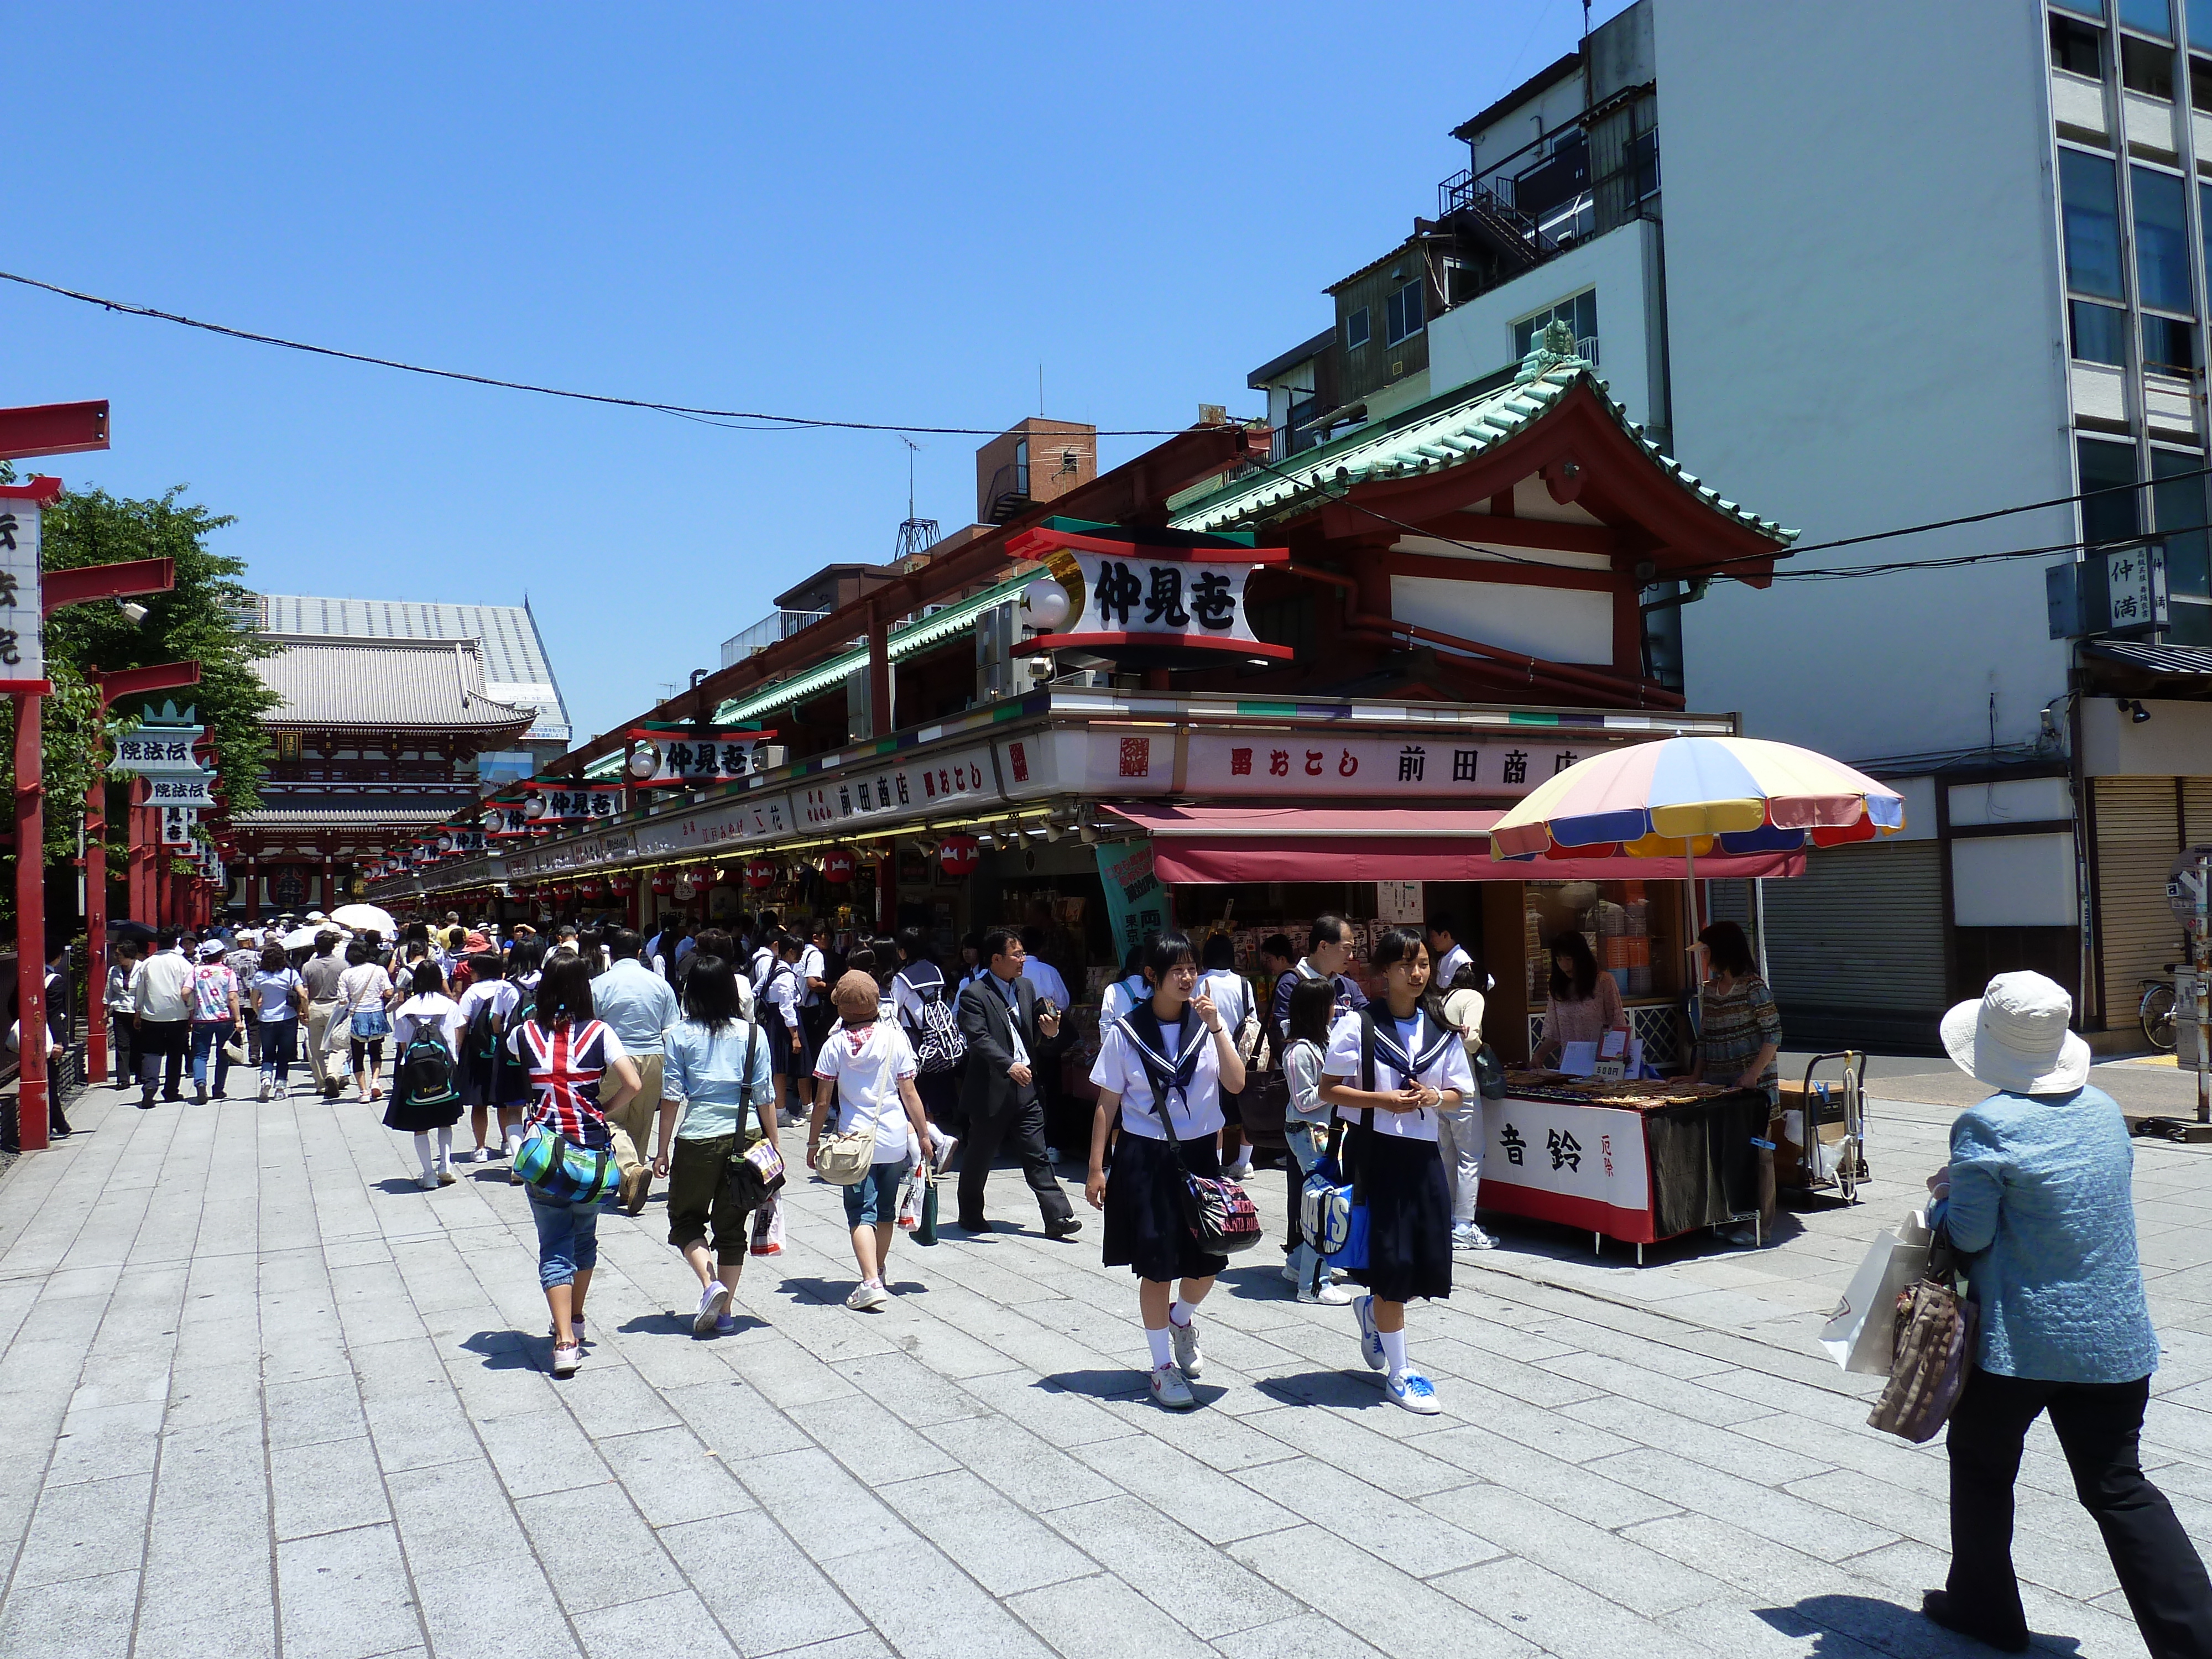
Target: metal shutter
{"x": 1862, "y": 928}
{"x": 2197, "y": 810}
{"x": 2138, "y": 833}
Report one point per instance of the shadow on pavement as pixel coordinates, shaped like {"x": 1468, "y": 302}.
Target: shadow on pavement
{"x": 503, "y": 1350}
{"x": 1850, "y": 1624}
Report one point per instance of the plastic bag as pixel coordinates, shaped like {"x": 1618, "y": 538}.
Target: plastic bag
{"x": 1860, "y": 1335}
{"x": 767, "y": 1228}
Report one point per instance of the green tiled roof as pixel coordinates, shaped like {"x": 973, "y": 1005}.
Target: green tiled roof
{"x": 1435, "y": 438}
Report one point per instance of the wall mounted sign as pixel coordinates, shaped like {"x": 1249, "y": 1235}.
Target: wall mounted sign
{"x": 1186, "y": 594}
{"x": 23, "y": 653}
{"x": 668, "y": 759}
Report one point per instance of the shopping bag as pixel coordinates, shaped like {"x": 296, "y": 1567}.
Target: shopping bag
{"x": 926, "y": 1233}
{"x": 1935, "y": 1325}
{"x": 909, "y": 1202}
{"x": 1860, "y": 1335}
{"x": 768, "y": 1229}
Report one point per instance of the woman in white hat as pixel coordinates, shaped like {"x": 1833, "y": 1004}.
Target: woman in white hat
{"x": 2040, "y": 1200}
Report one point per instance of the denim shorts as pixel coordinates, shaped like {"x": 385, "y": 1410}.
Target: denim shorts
{"x": 873, "y": 1201}
{"x": 568, "y": 1239}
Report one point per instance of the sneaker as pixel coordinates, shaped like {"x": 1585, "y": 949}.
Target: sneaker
{"x": 446, "y": 1177}
{"x": 199, "y": 1095}
{"x": 712, "y": 1302}
{"x": 1238, "y": 1171}
{"x": 1171, "y": 1390}
{"x": 1370, "y": 1340}
{"x": 941, "y": 1156}
{"x": 1469, "y": 1236}
{"x": 575, "y": 1326}
{"x": 514, "y": 1176}
{"x": 1187, "y": 1358}
{"x": 1328, "y": 1296}
{"x": 267, "y": 1088}
{"x": 1412, "y": 1391}
{"x": 725, "y": 1323}
{"x": 565, "y": 1360}
{"x": 866, "y": 1297}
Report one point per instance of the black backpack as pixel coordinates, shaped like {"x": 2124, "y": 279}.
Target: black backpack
{"x": 425, "y": 1067}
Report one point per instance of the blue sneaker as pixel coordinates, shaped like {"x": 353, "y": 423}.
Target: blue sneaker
{"x": 1412, "y": 1391}
{"x": 1370, "y": 1340}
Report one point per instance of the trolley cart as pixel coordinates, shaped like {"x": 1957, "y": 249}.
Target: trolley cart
{"x": 1820, "y": 1146}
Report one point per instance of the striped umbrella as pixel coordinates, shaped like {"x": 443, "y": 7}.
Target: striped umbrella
{"x": 1682, "y": 797}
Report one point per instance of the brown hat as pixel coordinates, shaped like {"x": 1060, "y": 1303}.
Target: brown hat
{"x": 855, "y": 994}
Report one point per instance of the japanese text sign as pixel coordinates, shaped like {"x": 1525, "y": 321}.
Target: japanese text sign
{"x": 2134, "y": 587}
{"x": 22, "y": 656}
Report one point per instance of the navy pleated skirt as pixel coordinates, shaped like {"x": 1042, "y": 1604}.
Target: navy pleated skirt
{"x": 1409, "y": 1253}
{"x": 1146, "y": 1231}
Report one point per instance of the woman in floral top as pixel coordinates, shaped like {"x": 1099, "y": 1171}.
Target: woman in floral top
{"x": 1740, "y": 1033}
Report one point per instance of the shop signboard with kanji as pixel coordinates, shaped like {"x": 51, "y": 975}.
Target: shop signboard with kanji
{"x": 177, "y": 823}
{"x": 577, "y": 806}
{"x": 23, "y": 653}
{"x": 1583, "y": 1166}
{"x": 680, "y": 759}
{"x": 918, "y": 786}
{"x": 1179, "y": 594}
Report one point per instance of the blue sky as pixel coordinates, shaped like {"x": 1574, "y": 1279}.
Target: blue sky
{"x": 872, "y": 213}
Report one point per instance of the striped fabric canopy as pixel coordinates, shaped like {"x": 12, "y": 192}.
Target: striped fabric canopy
{"x": 1691, "y": 796}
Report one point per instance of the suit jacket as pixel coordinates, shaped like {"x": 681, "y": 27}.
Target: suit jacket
{"x": 989, "y": 1025}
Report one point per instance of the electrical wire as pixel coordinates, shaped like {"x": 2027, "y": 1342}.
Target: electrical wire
{"x": 764, "y": 421}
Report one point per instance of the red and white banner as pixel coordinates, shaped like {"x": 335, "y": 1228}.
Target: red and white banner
{"x": 1583, "y": 1166}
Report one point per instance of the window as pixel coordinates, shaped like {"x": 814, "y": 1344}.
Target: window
{"x": 2178, "y": 503}
{"x": 2108, "y": 517}
{"x": 1355, "y": 329}
{"x": 2200, "y": 81}
{"x": 2169, "y": 347}
{"x": 2151, "y": 16}
{"x": 1578, "y": 313}
{"x": 2199, "y": 13}
{"x": 2146, "y": 68}
{"x": 2089, "y": 194}
{"x": 2093, "y": 8}
{"x": 2162, "y": 280}
{"x": 2076, "y": 47}
{"x": 2100, "y": 333}
{"x": 1402, "y": 313}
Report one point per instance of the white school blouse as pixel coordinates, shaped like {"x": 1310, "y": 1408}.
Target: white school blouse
{"x": 1448, "y": 1070}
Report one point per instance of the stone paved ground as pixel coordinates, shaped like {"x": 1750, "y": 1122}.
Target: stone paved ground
{"x": 260, "y": 1394}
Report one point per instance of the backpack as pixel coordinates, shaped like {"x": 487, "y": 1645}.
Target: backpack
{"x": 940, "y": 1045}
{"x": 426, "y": 1068}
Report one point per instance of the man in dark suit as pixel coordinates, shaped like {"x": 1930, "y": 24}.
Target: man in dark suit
{"x": 1006, "y": 1033}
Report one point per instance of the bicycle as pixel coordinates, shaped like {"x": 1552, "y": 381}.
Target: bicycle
{"x": 2156, "y": 1013}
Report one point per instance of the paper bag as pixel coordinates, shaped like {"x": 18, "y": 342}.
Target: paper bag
{"x": 1861, "y": 1335}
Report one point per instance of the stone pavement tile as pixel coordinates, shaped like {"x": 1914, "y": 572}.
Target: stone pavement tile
{"x": 1354, "y": 1441}
{"x": 311, "y": 1413}
{"x": 1559, "y": 1615}
{"x": 608, "y": 1397}
{"x": 906, "y": 1386}
{"x": 1101, "y": 1616}
{"x": 1807, "y": 1525}
{"x": 784, "y": 1372}
{"x": 1659, "y": 1353}
{"x": 1210, "y": 1435}
{"x": 1734, "y": 1451}
{"x": 345, "y": 1596}
{"x": 456, "y": 1515}
{"x": 544, "y": 1454}
{"x": 733, "y": 1420}
{"x": 102, "y": 1442}
{"x": 999, "y": 1546}
{"x": 1037, "y": 1476}
{"x": 1763, "y": 1631}
{"x": 828, "y": 1513}
{"x": 414, "y": 1434}
{"x": 249, "y": 1635}
{"x": 1201, "y": 1588}
{"x": 490, "y": 1609}
{"x": 677, "y": 1623}
{"x": 1916, "y": 1468}
{"x": 768, "y": 1595}
{"x": 1068, "y": 1417}
{"x": 1571, "y": 1488}
{"x": 1616, "y": 1567}
{"x": 1209, "y": 1503}
{"x": 1306, "y": 1636}
{"x": 874, "y": 1445}
{"x": 83, "y": 1530}
{"x": 1368, "y": 1512}
{"x": 673, "y": 1476}
{"x": 1373, "y": 1601}
{"x": 596, "y": 1548}
{"x": 1745, "y": 1557}
{"x": 1837, "y": 1395}
{"x": 946, "y": 1350}
{"x": 331, "y": 1487}
{"x": 928, "y": 1608}
{"x": 207, "y": 1395}
{"x": 126, "y": 1376}
{"x": 863, "y": 1646}
{"x": 1699, "y": 1401}
{"x": 82, "y": 1618}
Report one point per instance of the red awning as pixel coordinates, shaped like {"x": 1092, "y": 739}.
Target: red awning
{"x": 1382, "y": 843}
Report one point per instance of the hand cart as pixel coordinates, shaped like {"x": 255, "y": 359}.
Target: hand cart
{"x": 1821, "y": 1146}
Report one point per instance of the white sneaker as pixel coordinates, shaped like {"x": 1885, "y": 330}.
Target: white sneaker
{"x": 1171, "y": 1390}
{"x": 565, "y": 1360}
{"x": 941, "y": 1154}
{"x": 1328, "y": 1296}
{"x": 1412, "y": 1391}
{"x": 866, "y": 1297}
{"x": 712, "y": 1300}
{"x": 268, "y": 1089}
{"x": 428, "y": 1183}
{"x": 1238, "y": 1171}
{"x": 1187, "y": 1358}
{"x": 1469, "y": 1236}
{"x": 1370, "y": 1340}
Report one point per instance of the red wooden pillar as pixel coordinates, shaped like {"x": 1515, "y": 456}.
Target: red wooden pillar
{"x": 31, "y": 1108}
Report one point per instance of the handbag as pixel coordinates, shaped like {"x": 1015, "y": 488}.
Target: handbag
{"x": 845, "y": 1160}
{"x": 1861, "y": 1333}
{"x": 564, "y": 1171}
{"x": 1936, "y": 1327}
{"x": 755, "y": 1173}
{"x": 234, "y": 1051}
{"x": 1489, "y": 1073}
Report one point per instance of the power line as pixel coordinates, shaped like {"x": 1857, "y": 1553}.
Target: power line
{"x": 764, "y": 420}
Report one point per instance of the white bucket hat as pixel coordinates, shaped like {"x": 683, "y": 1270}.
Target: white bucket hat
{"x": 2015, "y": 1038}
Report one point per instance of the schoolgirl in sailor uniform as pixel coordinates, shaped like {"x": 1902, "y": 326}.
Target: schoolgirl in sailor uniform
{"x": 1419, "y": 1068}
{"x": 1173, "y": 1046}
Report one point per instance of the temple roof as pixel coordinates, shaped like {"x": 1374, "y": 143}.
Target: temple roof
{"x": 383, "y": 686}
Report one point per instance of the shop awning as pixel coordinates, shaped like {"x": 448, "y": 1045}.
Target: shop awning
{"x": 1381, "y": 844}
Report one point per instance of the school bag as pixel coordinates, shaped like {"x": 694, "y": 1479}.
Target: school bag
{"x": 940, "y": 1045}
{"x": 425, "y": 1067}
{"x": 1220, "y": 1214}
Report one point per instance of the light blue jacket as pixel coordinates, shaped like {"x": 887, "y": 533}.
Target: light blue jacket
{"x": 2041, "y": 1202}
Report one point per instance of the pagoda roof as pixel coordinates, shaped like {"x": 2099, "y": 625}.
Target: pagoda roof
{"x": 385, "y": 686}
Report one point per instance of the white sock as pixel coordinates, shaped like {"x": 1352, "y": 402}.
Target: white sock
{"x": 1181, "y": 1312}
{"x": 422, "y": 1153}
{"x": 1394, "y": 1351}
{"x": 445, "y": 1149}
{"x": 1157, "y": 1340}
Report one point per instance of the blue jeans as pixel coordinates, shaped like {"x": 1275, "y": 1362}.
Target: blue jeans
{"x": 568, "y": 1239}
{"x": 1308, "y": 1142}
{"x": 277, "y": 1037}
{"x": 873, "y": 1201}
{"x": 211, "y": 1034}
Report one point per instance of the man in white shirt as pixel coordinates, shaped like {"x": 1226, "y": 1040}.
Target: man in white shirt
{"x": 1049, "y": 984}
{"x": 1446, "y": 956}
{"x": 162, "y": 1020}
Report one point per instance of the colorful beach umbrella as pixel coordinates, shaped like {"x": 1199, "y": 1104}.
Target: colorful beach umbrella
{"x": 1686, "y": 797}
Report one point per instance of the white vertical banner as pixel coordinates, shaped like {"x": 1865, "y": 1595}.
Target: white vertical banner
{"x": 23, "y": 653}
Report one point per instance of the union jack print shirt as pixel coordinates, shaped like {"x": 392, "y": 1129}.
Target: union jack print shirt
{"x": 566, "y": 1064}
